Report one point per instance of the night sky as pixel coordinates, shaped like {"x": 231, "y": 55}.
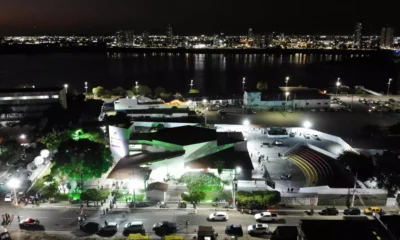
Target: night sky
{"x": 188, "y": 17}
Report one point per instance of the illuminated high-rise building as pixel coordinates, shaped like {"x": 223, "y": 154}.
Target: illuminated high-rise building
{"x": 169, "y": 36}
{"x": 250, "y": 35}
{"x": 145, "y": 39}
{"x": 357, "y": 35}
{"x": 387, "y": 35}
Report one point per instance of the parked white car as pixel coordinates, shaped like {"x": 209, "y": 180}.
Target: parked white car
{"x": 266, "y": 216}
{"x": 218, "y": 216}
{"x": 8, "y": 197}
{"x": 258, "y": 229}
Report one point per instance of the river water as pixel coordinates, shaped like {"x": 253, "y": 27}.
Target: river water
{"x": 212, "y": 73}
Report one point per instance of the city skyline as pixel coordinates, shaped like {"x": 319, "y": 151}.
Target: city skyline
{"x": 102, "y": 17}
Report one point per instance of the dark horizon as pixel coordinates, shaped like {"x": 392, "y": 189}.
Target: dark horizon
{"x": 105, "y": 17}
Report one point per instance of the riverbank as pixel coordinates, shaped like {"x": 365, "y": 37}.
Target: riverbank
{"x": 37, "y": 49}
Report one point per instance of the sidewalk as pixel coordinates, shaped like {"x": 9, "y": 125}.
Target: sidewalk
{"x": 201, "y": 207}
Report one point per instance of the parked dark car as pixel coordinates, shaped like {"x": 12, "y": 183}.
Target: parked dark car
{"x": 234, "y": 230}
{"x": 90, "y": 227}
{"x": 165, "y": 228}
{"x": 330, "y": 211}
{"x": 352, "y": 211}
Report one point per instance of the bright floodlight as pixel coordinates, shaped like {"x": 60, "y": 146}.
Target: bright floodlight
{"x": 338, "y": 83}
{"x": 307, "y": 124}
{"x": 246, "y": 122}
{"x": 22, "y": 136}
{"x": 45, "y": 153}
{"x": 238, "y": 169}
{"x": 66, "y": 85}
{"x": 189, "y": 102}
{"x": 14, "y": 183}
{"x": 204, "y": 100}
{"x": 287, "y": 94}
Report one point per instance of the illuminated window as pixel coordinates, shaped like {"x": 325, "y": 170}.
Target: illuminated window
{"x": 54, "y": 96}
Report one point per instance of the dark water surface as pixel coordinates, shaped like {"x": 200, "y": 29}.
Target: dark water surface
{"x": 212, "y": 73}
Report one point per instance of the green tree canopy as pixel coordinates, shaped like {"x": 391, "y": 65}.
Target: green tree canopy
{"x": 264, "y": 198}
{"x": 8, "y": 148}
{"x": 82, "y": 159}
{"x": 141, "y": 90}
{"x": 201, "y": 181}
{"x": 50, "y": 190}
{"x": 193, "y": 196}
{"x": 194, "y": 91}
{"x": 130, "y": 93}
{"x": 262, "y": 85}
{"x": 53, "y": 139}
{"x": 165, "y": 95}
{"x": 159, "y": 90}
{"x": 94, "y": 195}
{"x": 118, "y": 91}
{"x": 358, "y": 164}
{"x": 98, "y": 91}
{"x": 388, "y": 168}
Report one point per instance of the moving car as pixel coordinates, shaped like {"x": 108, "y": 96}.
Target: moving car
{"x": 90, "y": 227}
{"x": 306, "y": 136}
{"x": 371, "y": 210}
{"x": 266, "y": 217}
{"x": 29, "y": 222}
{"x": 218, "y": 216}
{"x": 292, "y": 134}
{"x": 234, "y": 230}
{"x": 258, "y": 229}
{"x": 330, "y": 211}
{"x": 315, "y": 136}
{"x": 352, "y": 211}
{"x": 110, "y": 227}
{"x": 134, "y": 227}
{"x": 286, "y": 176}
{"x": 4, "y": 234}
{"x": 165, "y": 228}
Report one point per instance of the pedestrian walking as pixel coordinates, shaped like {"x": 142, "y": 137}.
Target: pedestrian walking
{"x": 19, "y": 220}
{"x": 4, "y": 219}
{"x": 291, "y": 190}
{"x": 104, "y": 211}
{"x": 288, "y": 189}
{"x": 267, "y": 158}
{"x": 105, "y": 222}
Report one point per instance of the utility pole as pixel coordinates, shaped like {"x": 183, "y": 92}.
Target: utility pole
{"x": 354, "y": 191}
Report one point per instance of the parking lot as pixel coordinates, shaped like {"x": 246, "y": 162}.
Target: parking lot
{"x": 345, "y": 124}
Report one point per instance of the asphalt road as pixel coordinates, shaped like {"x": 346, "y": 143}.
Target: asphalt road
{"x": 66, "y": 219}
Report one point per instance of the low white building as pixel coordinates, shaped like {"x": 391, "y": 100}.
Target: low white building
{"x": 292, "y": 97}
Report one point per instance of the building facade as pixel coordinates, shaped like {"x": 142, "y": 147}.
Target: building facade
{"x": 298, "y": 97}
{"x": 357, "y": 35}
{"x": 387, "y": 36}
{"x": 16, "y": 104}
{"x": 169, "y": 36}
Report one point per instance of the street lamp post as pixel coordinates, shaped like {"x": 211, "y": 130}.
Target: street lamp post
{"x": 390, "y": 80}
{"x": 244, "y": 82}
{"x": 14, "y": 183}
{"x": 66, "y": 88}
{"x": 237, "y": 171}
{"x": 287, "y": 80}
{"x": 286, "y": 94}
{"x": 191, "y": 84}
{"x": 136, "y": 86}
{"x": 86, "y": 87}
{"x": 337, "y": 85}
{"x": 307, "y": 124}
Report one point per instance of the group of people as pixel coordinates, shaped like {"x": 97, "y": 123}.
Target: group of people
{"x": 7, "y": 218}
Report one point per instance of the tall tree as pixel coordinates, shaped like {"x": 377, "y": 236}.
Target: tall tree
{"x": 358, "y": 164}
{"x": 53, "y": 139}
{"x": 158, "y": 91}
{"x": 118, "y": 91}
{"x": 82, "y": 159}
{"x": 98, "y": 91}
{"x": 141, "y": 90}
{"x": 262, "y": 85}
{"x": 194, "y": 91}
